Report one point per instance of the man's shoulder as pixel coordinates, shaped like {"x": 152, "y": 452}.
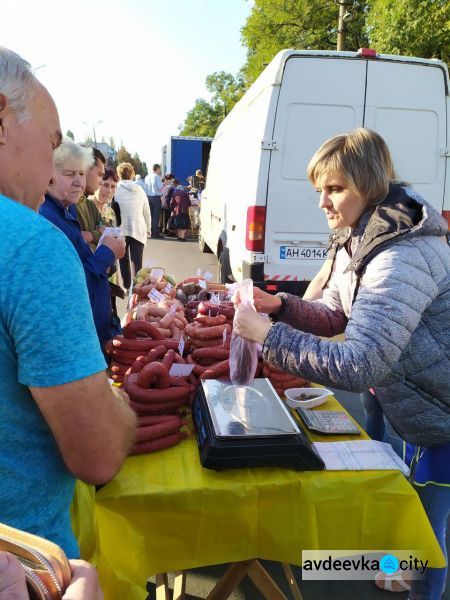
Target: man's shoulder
{"x": 20, "y": 223}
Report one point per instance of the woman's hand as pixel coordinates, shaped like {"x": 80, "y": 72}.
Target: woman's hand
{"x": 262, "y": 301}
{"x": 84, "y": 584}
{"x": 250, "y": 325}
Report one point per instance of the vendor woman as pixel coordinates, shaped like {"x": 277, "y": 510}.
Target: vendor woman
{"x": 390, "y": 293}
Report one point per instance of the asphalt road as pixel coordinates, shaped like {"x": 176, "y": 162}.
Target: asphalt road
{"x": 183, "y": 260}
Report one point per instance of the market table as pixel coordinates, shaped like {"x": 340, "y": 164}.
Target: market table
{"x": 163, "y": 512}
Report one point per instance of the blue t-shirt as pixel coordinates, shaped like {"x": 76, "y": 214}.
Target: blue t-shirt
{"x": 47, "y": 338}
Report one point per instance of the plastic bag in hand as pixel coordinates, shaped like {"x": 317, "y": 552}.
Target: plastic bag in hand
{"x": 243, "y": 354}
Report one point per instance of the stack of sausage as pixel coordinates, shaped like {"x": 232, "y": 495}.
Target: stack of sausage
{"x": 168, "y": 316}
{"x": 281, "y": 380}
{"x": 209, "y": 340}
{"x": 206, "y": 308}
{"x": 198, "y": 289}
{"x": 125, "y": 349}
{"x": 156, "y": 432}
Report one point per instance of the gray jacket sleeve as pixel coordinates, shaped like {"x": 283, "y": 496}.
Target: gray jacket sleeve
{"x": 395, "y": 290}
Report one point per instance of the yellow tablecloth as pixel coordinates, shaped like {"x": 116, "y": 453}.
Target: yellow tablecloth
{"x": 164, "y": 512}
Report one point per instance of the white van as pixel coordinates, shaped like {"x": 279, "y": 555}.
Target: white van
{"x": 259, "y": 212}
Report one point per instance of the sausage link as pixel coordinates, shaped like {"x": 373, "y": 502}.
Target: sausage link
{"x": 168, "y": 359}
{"x": 153, "y": 432}
{"x": 155, "y": 408}
{"x": 211, "y": 321}
{"x": 219, "y": 370}
{"x": 152, "y": 371}
{"x": 214, "y": 352}
{"x": 145, "y": 420}
{"x": 143, "y": 327}
{"x": 156, "y": 353}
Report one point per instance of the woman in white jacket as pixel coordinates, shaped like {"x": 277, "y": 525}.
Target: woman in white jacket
{"x": 135, "y": 221}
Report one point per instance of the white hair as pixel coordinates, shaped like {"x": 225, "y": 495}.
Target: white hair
{"x": 17, "y": 83}
{"x": 69, "y": 150}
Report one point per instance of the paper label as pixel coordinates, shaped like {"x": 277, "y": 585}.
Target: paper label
{"x": 168, "y": 288}
{"x": 224, "y": 337}
{"x": 181, "y": 370}
{"x": 181, "y": 346}
{"x": 208, "y": 276}
{"x": 215, "y": 299}
{"x": 155, "y": 296}
{"x": 157, "y": 273}
{"x": 114, "y": 231}
{"x": 202, "y": 284}
{"x": 199, "y": 272}
{"x": 173, "y": 309}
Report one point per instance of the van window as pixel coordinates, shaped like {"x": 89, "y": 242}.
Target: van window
{"x": 307, "y": 127}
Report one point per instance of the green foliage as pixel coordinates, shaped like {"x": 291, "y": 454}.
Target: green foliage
{"x": 411, "y": 27}
{"x": 70, "y": 135}
{"x": 274, "y": 25}
{"x": 123, "y": 155}
{"x": 205, "y": 117}
{"x": 202, "y": 120}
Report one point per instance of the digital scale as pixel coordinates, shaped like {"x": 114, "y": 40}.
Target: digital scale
{"x": 248, "y": 426}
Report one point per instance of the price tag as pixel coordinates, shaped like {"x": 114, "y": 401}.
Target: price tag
{"x": 157, "y": 273}
{"x": 202, "y": 284}
{"x": 224, "y": 337}
{"x": 208, "y": 276}
{"x": 181, "y": 346}
{"x": 155, "y": 296}
{"x": 199, "y": 272}
{"x": 114, "y": 231}
{"x": 181, "y": 370}
{"x": 168, "y": 288}
{"x": 215, "y": 299}
{"x": 173, "y": 309}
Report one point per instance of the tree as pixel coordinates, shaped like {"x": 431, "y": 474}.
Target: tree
{"x": 202, "y": 120}
{"x": 411, "y": 27}
{"x": 70, "y": 135}
{"x": 112, "y": 143}
{"x": 205, "y": 117}
{"x": 88, "y": 140}
{"x": 226, "y": 89}
{"x": 274, "y": 25}
{"x": 123, "y": 155}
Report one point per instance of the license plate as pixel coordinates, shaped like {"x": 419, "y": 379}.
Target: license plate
{"x": 302, "y": 253}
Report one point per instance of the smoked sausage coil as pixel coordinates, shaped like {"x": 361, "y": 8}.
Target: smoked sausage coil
{"x": 219, "y": 370}
{"x": 155, "y": 408}
{"x": 142, "y": 345}
{"x": 154, "y": 371}
{"x": 211, "y": 321}
{"x": 152, "y": 432}
{"x": 145, "y": 420}
{"x": 213, "y": 352}
{"x": 207, "y": 333}
{"x": 142, "y": 327}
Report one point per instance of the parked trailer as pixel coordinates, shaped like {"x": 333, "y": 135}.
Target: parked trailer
{"x": 183, "y": 155}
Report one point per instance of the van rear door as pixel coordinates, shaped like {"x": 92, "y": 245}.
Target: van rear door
{"x": 406, "y": 104}
{"x": 319, "y": 98}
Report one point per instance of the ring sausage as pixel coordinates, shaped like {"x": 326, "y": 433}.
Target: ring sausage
{"x": 211, "y": 321}
{"x": 207, "y": 333}
{"x": 142, "y": 327}
{"x": 152, "y": 371}
{"x": 214, "y": 352}
{"x": 219, "y": 370}
{"x": 152, "y": 432}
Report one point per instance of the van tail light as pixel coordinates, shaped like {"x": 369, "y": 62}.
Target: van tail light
{"x": 255, "y": 229}
{"x": 446, "y": 215}
{"x": 367, "y": 53}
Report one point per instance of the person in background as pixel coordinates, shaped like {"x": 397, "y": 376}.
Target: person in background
{"x": 60, "y": 419}
{"x": 138, "y": 179}
{"x": 83, "y": 586}
{"x": 390, "y": 294}
{"x": 87, "y": 213}
{"x": 179, "y": 205}
{"x": 71, "y": 164}
{"x": 154, "y": 187}
{"x": 103, "y": 198}
{"x": 166, "y": 197}
{"x": 135, "y": 221}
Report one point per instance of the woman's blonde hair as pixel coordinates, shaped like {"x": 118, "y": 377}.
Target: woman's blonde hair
{"x": 125, "y": 171}
{"x": 361, "y": 157}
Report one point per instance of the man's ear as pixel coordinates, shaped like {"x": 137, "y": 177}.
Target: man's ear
{"x": 3, "y": 128}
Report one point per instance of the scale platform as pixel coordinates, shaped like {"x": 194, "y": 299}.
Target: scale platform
{"x": 248, "y": 426}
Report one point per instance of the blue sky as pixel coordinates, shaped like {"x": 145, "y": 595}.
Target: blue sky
{"x": 135, "y": 65}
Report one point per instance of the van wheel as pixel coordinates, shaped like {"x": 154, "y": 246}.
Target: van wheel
{"x": 203, "y": 247}
{"x": 224, "y": 270}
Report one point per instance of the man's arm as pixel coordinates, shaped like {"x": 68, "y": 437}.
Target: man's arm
{"x": 89, "y": 218}
{"x": 92, "y": 424}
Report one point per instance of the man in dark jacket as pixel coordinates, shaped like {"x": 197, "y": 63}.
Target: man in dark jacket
{"x": 88, "y": 214}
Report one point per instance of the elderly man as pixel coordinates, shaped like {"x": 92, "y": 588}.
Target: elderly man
{"x": 72, "y": 162}
{"x": 60, "y": 419}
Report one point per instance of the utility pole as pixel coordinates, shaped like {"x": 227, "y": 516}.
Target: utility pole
{"x": 344, "y": 17}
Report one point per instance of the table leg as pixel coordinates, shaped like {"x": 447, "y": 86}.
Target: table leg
{"x": 162, "y": 587}
{"x": 264, "y": 582}
{"x": 230, "y": 580}
{"x": 295, "y": 590}
{"x": 179, "y": 585}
